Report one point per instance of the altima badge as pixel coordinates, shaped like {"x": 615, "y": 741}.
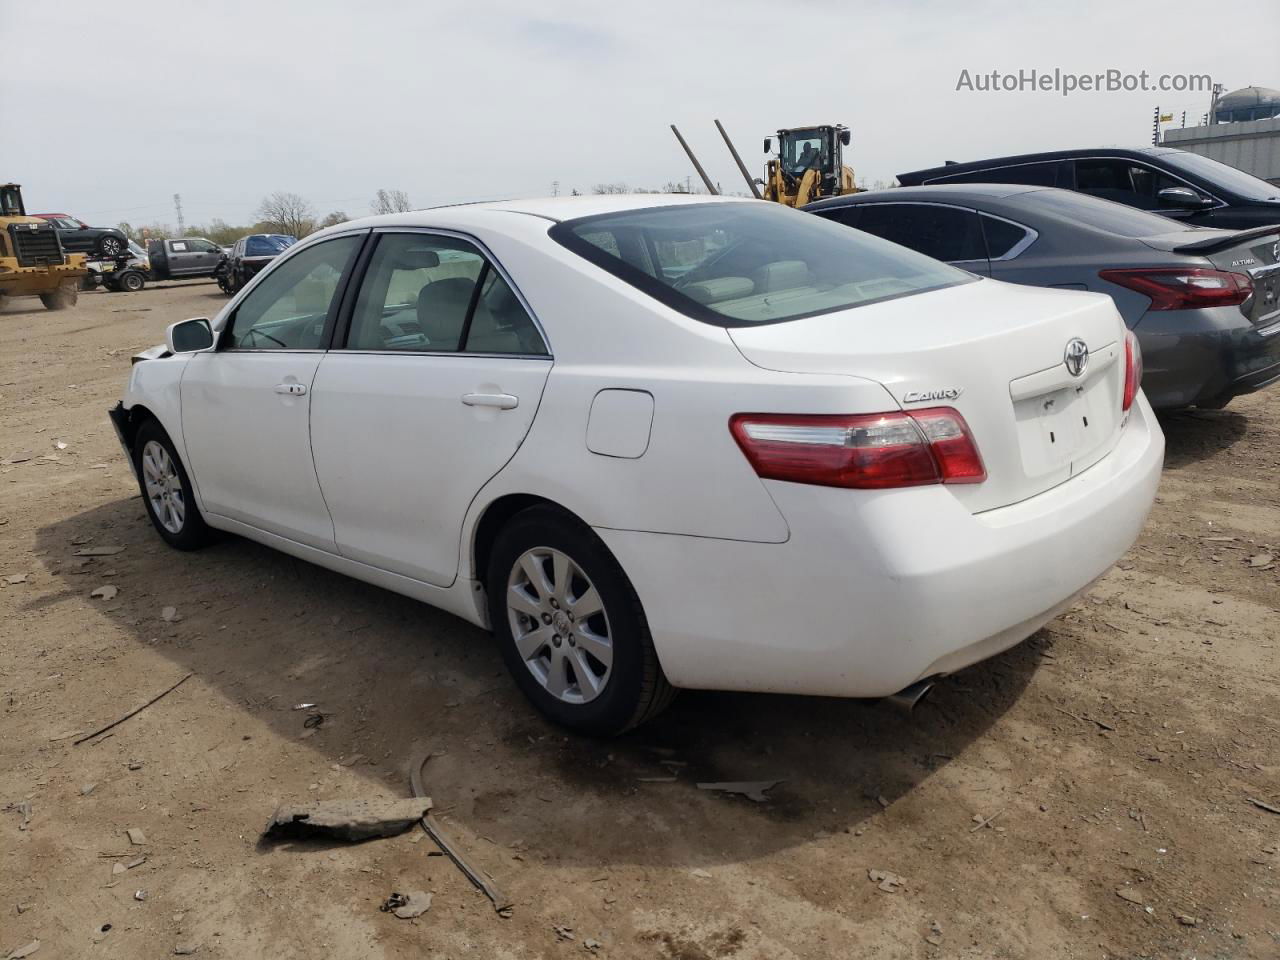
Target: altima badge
{"x": 922, "y": 396}
{"x": 1076, "y": 357}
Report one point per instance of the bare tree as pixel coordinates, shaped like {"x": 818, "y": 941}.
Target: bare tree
{"x": 391, "y": 201}
{"x": 288, "y": 213}
{"x": 333, "y": 219}
{"x": 610, "y": 188}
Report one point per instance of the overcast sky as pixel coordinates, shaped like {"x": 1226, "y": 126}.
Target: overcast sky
{"x": 107, "y": 111}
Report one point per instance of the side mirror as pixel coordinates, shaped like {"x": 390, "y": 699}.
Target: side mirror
{"x": 845, "y": 137}
{"x": 189, "y": 336}
{"x": 84, "y": 226}
{"x": 1181, "y": 197}
{"x": 768, "y": 144}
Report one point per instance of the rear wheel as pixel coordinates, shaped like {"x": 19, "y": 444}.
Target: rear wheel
{"x": 166, "y": 490}
{"x": 66, "y": 295}
{"x": 131, "y": 281}
{"x": 110, "y": 246}
{"x": 570, "y": 627}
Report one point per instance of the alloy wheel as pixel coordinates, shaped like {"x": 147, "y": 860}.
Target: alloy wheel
{"x": 164, "y": 487}
{"x": 559, "y": 625}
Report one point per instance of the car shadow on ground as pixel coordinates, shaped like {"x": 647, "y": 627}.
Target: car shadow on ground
{"x": 397, "y": 681}
{"x": 1195, "y": 435}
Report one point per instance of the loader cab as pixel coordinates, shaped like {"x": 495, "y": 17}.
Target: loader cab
{"x": 804, "y": 149}
{"x": 11, "y": 201}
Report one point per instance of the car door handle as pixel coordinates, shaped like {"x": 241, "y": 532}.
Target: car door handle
{"x": 503, "y": 401}
{"x": 292, "y": 389}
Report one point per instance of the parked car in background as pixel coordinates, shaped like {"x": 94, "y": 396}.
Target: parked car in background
{"x": 250, "y": 254}
{"x": 1172, "y": 183}
{"x": 1204, "y": 303}
{"x": 129, "y": 271}
{"x": 184, "y": 258}
{"x": 783, "y": 420}
{"x": 78, "y": 237}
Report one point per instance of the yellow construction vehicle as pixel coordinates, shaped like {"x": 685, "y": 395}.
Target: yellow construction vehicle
{"x": 809, "y": 164}
{"x": 32, "y": 261}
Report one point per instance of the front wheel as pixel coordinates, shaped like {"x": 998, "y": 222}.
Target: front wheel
{"x": 131, "y": 281}
{"x": 166, "y": 490}
{"x": 570, "y": 626}
{"x": 65, "y": 295}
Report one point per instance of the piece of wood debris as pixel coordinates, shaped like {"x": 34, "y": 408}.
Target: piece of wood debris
{"x": 754, "y": 790}
{"x": 99, "y": 551}
{"x": 351, "y": 820}
{"x": 136, "y": 710}
{"x": 1262, "y": 805}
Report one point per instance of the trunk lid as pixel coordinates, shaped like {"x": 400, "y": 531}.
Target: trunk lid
{"x": 1258, "y": 256}
{"x": 994, "y": 351}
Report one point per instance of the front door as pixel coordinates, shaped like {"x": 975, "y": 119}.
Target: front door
{"x": 245, "y": 406}
{"x": 432, "y": 392}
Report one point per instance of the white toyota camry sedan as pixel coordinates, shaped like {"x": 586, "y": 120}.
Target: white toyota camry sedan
{"x": 660, "y": 442}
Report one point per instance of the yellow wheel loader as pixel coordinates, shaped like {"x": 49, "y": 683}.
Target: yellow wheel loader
{"x": 32, "y": 262}
{"x": 809, "y": 164}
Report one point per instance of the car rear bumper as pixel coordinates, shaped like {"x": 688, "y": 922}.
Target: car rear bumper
{"x": 1205, "y": 357}
{"x": 877, "y": 589}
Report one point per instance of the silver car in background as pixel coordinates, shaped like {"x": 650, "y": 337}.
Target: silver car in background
{"x": 1204, "y": 302}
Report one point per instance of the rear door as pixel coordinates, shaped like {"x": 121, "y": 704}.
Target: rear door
{"x": 436, "y": 382}
{"x": 942, "y": 231}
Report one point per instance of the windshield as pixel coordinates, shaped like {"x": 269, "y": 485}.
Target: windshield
{"x": 10, "y": 202}
{"x": 748, "y": 263}
{"x": 136, "y": 250}
{"x": 1237, "y": 181}
{"x": 267, "y": 245}
{"x": 1104, "y": 215}
{"x": 803, "y": 149}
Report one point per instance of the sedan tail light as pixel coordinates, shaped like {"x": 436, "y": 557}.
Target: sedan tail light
{"x": 1178, "y": 288}
{"x": 866, "y": 451}
{"x": 1132, "y": 369}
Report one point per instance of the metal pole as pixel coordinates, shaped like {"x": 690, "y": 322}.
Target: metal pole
{"x": 751, "y": 184}
{"x": 694, "y": 160}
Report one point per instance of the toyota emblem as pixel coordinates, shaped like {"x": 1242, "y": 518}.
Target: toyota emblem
{"x": 1076, "y": 357}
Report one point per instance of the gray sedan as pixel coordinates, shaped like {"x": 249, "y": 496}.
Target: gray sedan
{"x": 1205, "y": 303}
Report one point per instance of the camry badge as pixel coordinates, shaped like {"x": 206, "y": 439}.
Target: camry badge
{"x": 1076, "y": 356}
{"x": 923, "y": 396}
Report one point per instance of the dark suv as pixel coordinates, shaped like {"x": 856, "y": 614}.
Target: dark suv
{"x": 78, "y": 237}
{"x": 1173, "y": 183}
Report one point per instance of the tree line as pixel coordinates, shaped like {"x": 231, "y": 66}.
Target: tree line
{"x": 279, "y": 212}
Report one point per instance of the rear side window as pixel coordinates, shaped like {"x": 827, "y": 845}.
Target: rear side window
{"x": 741, "y": 264}
{"x": 426, "y": 293}
{"x": 942, "y": 232}
{"x": 1001, "y": 236}
{"x": 1030, "y": 174}
{"x": 1114, "y": 218}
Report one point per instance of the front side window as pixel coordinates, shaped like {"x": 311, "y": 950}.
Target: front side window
{"x": 944, "y": 233}
{"x": 429, "y": 293}
{"x": 741, "y": 264}
{"x": 289, "y": 308}
{"x": 1027, "y": 174}
{"x": 1229, "y": 178}
{"x": 1100, "y": 214}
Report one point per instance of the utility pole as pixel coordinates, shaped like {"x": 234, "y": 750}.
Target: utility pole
{"x": 177, "y": 205}
{"x": 1155, "y": 129}
{"x": 1213, "y": 104}
{"x": 555, "y": 188}
{"x": 1184, "y": 118}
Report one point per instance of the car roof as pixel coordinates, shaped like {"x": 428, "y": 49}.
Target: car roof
{"x": 953, "y": 192}
{"x": 51, "y": 215}
{"x": 915, "y": 176}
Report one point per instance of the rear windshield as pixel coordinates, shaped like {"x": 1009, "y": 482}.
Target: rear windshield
{"x": 743, "y": 264}
{"x": 1237, "y": 181}
{"x": 1105, "y": 215}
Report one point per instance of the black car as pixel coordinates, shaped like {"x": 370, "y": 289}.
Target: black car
{"x": 1173, "y": 183}
{"x": 250, "y": 254}
{"x": 78, "y": 237}
{"x": 1204, "y": 302}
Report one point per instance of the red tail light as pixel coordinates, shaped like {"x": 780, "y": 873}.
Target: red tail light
{"x": 866, "y": 451}
{"x": 1177, "y": 288}
{"x": 1132, "y": 369}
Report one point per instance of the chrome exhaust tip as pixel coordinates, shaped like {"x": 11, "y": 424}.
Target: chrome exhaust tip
{"x": 908, "y": 698}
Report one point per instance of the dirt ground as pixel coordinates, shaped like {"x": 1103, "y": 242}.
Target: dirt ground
{"x": 1115, "y": 750}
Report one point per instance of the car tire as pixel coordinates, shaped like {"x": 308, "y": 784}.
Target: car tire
{"x": 131, "y": 281}
{"x": 110, "y": 246}
{"x": 65, "y": 295}
{"x": 166, "y": 490}
{"x": 558, "y": 658}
